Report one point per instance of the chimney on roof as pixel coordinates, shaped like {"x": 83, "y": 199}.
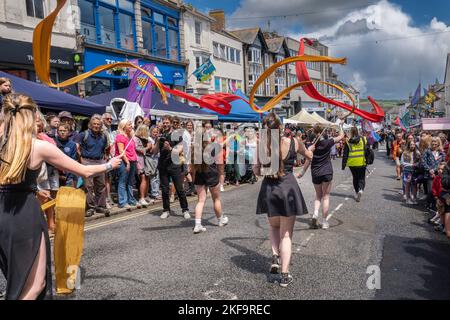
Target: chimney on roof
{"x": 219, "y": 16}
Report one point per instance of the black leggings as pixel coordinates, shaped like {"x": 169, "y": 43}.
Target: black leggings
{"x": 176, "y": 174}
{"x": 359, "y": 178}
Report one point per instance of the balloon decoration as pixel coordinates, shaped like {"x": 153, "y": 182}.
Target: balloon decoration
{"x": 218, "y": 102}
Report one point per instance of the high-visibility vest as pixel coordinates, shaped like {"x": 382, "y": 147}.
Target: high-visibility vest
{"x": 356, "y": 156}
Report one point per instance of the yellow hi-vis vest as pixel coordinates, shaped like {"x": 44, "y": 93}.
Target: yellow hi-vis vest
{"x": 356, "y": 157}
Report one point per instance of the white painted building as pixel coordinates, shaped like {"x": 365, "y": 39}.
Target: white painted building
{"x": 18, "y": 18}
{"x": 316, "y": 71}
{"x": 197, "y": 48}
{"x": 227, "y": 56}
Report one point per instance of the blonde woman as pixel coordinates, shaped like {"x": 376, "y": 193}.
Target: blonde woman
{"x": 127, "y": 169}
{"x": 24, "y": 241}
{"x": 143, "y": 149}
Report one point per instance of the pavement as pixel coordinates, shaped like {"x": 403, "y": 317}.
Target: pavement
{"x": 379, "y": 248}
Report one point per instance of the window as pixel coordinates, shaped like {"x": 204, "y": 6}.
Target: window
{"x": 238, "y": 56}
{"x": 87, "y": 19}
{"x": 126, "y": 32}
{"x": 108, "y": 30}
{"x": 35, "y": 8}
{"x": 266, "y": 60}
{"x": 147, "y": 35}
{"x": 160, "y": 41}
{"x": 216, "y": 50}
{"x": 198, "y": 32}
{"x": 173, "y": 44}
{"x": 223, "y": 52}
{"x": 267, "y": 83}
{"x": 160, "y": 34}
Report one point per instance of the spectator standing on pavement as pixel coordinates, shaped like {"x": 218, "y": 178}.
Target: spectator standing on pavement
{"x": 168, "y": 144}
{"x": 53, "y": 122}
{"x": 107, "y": 128}
{"x": 409, "y": 161}
{"x": 397, "y": 150}
{"x": 322, "y": 173}
{"x": 66, "y": 117}
{"x": 280, "y": 196}
{"x": 431, "y": 159}
{"x": 143, "y": 147}
{"x": 127, "y": 169}
{"x": 5, "y": 89}
{"x": 153, "y": 159}
{"x": 390, "y": 137}
{"x": 70, "y": 149}
{"x": 48, "y": 179}
{"x": 93, "y": 149}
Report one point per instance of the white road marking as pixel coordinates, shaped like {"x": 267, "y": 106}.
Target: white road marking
{"x": 305, "y": 243}
{"x": 347, "y": 198}
{"x": 334, "y": 211}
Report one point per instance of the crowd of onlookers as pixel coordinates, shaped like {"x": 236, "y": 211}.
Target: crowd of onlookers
{"x": 422, "y": 164}
{"x": 147, "y": 173}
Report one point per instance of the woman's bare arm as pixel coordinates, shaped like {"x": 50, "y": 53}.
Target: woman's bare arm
{"x": 45, "y": 151}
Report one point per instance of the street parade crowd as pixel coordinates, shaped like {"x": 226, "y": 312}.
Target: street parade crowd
{"x": 132, "y": 165}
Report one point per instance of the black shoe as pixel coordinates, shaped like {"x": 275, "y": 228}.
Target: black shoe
{"x": 102, "y": 210}
{"x": 286, "y": 279}
{"x": 89, "y": 213}
{"x": 275, "y": 267}
{"x": 314, "y": 224}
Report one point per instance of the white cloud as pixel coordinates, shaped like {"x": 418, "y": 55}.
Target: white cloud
{"x": 358, "y": 82}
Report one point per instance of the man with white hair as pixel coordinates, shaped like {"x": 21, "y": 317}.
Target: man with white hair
{"x": 93, "y": 146}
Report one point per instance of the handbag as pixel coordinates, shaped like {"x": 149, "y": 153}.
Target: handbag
{"x": 150, "y": 165}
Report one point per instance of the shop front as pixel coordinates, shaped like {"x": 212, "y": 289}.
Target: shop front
{"x": 171, "y": 74}
{"x": 16, "y": 58}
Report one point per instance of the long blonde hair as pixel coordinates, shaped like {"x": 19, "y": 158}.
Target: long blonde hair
{"x": 121, "y": 128}
{"x": 16, "y": 135}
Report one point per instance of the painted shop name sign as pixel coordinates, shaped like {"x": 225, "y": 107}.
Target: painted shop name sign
{"x": 20, "y": 52}
{"x": 53, "y": 61}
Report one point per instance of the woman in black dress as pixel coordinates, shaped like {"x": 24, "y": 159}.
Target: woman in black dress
{"x": 322, "y": 173}
{"x": 24, "y": 242}
{"x": 280, "y": 196}
{"x": 206, "y": 176}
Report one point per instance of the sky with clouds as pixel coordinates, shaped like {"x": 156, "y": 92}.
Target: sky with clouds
{"x": 391, "y": 45}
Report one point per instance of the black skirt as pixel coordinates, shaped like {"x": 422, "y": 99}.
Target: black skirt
{"x": 208, "y": 178}
{"x": 22, "y": 226}
{"x": 281, "y": 197}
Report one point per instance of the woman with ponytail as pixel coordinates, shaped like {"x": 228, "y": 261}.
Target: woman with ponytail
{"x": 280, "y": 196}
{"x": 24, "y": 243}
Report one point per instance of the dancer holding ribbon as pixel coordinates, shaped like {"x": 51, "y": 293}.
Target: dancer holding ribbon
{"x": 25, "y": 260}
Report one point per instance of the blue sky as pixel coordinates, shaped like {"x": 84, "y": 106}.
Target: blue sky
{"x": 391, "y": 45}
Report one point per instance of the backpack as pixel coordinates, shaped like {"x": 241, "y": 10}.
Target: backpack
{"x": 368, "y": 153}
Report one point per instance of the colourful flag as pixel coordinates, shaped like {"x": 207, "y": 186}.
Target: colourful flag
{"x": 140, "y": 89}
{"x": 205, "y": 71}
{"x": 430, "y": 97}
{"x": 416, "y": 98}
{"x": 399, "y": 123}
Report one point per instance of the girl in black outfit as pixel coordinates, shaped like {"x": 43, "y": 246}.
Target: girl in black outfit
{"x": 24, "y": 243}
{"x": 322, "y": 173}
{"x": 280, "y": 196}
{"x": 206, "y": 176}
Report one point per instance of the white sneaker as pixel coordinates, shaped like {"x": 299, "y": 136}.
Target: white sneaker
{"x": 223, "y": 221}
{"x": 143, "y": 203}
{"x": 325, "y": 224}
{"x": 222, "y": 189}
{"x": 186, "y": 214}
{"x": 199, "y": 229}
{"x": 165, "y": 215}
{"x": 358, "y": 196}
{"x": 409, "y": 201}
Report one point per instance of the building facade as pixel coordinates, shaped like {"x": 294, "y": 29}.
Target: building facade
{"x": 17, "y": 22}
{"x": 141, "y": 31}
{"x": 197, "y": 48}
{"x": 316, "y": 70}
{"x": 227, "y": 57}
